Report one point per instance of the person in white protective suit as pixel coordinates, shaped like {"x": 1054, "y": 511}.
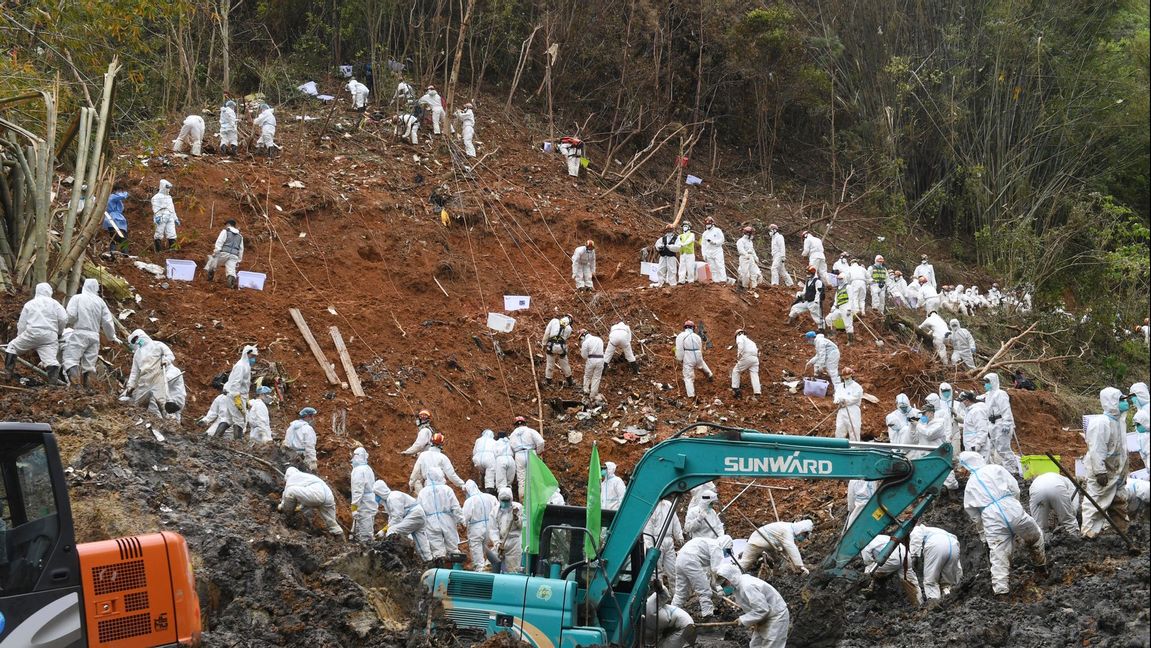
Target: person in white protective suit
{"x": 217, "y": 412}
{"x": 591, "y": 350}
{"x": 939, "y": 550}
{"x": 404, "y": 95}
{"x": 238, "y": 389}
{"x": 555, "y": 345}
{"x": 685, "y": 243}
{"x": 1142, "y": 420}
{"x": 776, "y": 543}
{"x": 826, "y": 358}
{"x": 228, "y": 250}
{"x": 689, "y": 352}
{"x": 901, "y": 422}
{"x": 897, "y": 288}
{"x": 841, "y": 265}
{"x": 893, "y": 566}
{"x": 925, "y": 269}
{"x": 857, "y": 280}
{"x": 433, "y": 457}
{"x": 363, "y": 503}
{"x": 259, "y": 424}
{"x": 1053, "y": 501}
{"x": 911, "y": 292}
{"x": 406, "y": 518}
{"x": 859, "y": 492}
{"x": 695, "y": 566}
{"x": 711, "y": 246}
{"x": 266, "y": 122}
{"x": 433, "y": 102}
{"x": 524, "y": 440}
{"x": 407, "y": 127}
{"x": 849, "y": 417}
{"x": 164, "y": 217}
{"x": 976, "y": 432}
{"x": 572, "y": 150}
{"x": 746, "y": 359}
{"x": 962, "y": 345}
{"x": 612, "y": 488}
{"x": 478, "y": 520}
{"x": 191, "y": 135}
{"x": 307, "y": 491}
{"x": 665, "y": 625}
{"x": 359, "y": 94}
{"x": 1138, "y": 498}
{"x": 507, "y": 532}
{"x": 424, "y": 434}
{"x": 467, "y": 119}
{"x": 651, "y": 530}
{"x": 41, "y": 324}
{"x": 991, "y": 499}
{"x": 1106, "y": 465}
{"x": 619, "y": 341}
{"x": 88, "y": 316}
{"x": 583, "y": 266}
{"x": 155, "y": 382}
{"x": 932, "y": 431}
{"x": 504, "y": 474}
{"x": 928, "y": 296}
{"x": 702, "y": 520}
{"x": 813, "y": 250}
{"x": 778, "y": 257}
{"x": 938, "y": 330}
{"x": 668, "y": 269}
{"x": 945, "y": 408}
{"x": 765, "y": 613}
{"x": 809, "y": 299}
{"x": 1002, "y": 422}
{"x": 229, "y": 132}
{"x": 749, "y": 273}
{"x": 484, "y": 456}
{"x": 443, "y": 512}
{"x": 301, "y": 437}
{"x": 878, "y": 276}
{"x": 841, "y": 310}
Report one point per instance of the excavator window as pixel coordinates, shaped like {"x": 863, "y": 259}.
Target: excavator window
{"x": 29, "y": 524}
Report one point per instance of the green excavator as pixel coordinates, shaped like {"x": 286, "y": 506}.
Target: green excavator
{"x": 565, "y": 601}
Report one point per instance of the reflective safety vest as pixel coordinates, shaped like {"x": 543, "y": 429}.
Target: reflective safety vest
{"x": 687, "y": 243}
{"x": 878, "y": 274}
{"x": 841, "y": 296}
{"x": 232, "y": 243}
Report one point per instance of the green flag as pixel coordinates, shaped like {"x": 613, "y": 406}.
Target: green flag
{"x": 593, "y": 505}
{"x": 541, "y": 486}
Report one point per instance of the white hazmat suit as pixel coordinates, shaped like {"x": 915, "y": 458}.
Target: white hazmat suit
{"x": 467, "y": 120}
{"x": 940, "y": 552}
{"x": 507, "y": 532}
{"x": 897, "y": 565}
{"x": 776, "y": 541}
{"x": 689, "y": 352}
{"x": 702, "y": 520}
{"x": 711, "y": 245}
{"x": 406, "y": 518}
{"x": 42, "y": 322}
{"x": 746, "y": 359}
{"x": 155, "y": 382}
{"x": 779, "y": 260}
{"x": 651, "y": 530}
{"x": 364, "y": 505}
{"x": 477, "y": 510}
{"x": 765, "y": 613}
{"x": 1106, "y": 466}
{"x": 1002, "y": 425}
{"x": 191, "y": 135}
{"x": 849, "y": 417}
{"x": 524, "y": 440}
{"x": 443, "y": 512}
{"x": 88, "y": 316}
{"x": 164, "y": 215}
{"x": 591, "y": 350}
{"x": 612, "y": 488}
{"x": 583, "y": 267}
{"x": 303, "y": 490}
{"x": 749, "y": 273}
{"x": 1053, "y": 502}
{"x": 695, "y": 567}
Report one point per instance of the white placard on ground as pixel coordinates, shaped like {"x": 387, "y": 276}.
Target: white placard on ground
{"x": 1080, "y": 468}
{"x": 517, "y": 302}
{"x": 649, "y": 269}
{"x": 500, "y": 322}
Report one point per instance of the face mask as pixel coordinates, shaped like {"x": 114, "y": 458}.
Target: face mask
{"x": 946, "y": 395}
{"x": 904, "y": 408}
{"x": 924, "y": 419}
{"x": 252, "y": 361}
{"x": 1140, "y": 428}
{"x": 728, "y": 590}
{"x": 1124, "y": 406}
{"x": 986, "y": 387}
{"x": 504, "y": 504}
{"x": 710, "y": 226}
{"x": 687, "y": 229}
{"x": 847, "y": 381}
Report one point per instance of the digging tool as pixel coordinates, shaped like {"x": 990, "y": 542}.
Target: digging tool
{"x": 718, "y": 624}
{"x": 821, "y": 422}
{"x": 878, "y": 342}
{"x": 1083, "y": 492}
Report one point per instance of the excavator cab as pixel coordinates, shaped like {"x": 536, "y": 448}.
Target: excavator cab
{"x": 124, "y": 593}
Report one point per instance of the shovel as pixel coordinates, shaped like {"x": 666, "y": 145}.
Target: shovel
{"x": 878, "y": 342}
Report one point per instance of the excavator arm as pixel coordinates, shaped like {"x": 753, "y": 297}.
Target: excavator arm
{"x": 682, "y": 463}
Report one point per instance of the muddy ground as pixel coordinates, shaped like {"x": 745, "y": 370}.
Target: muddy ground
{"x": 360, "y": 247}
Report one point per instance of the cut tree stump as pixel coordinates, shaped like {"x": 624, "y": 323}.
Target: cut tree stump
{"x": 329, "y": 368}
{"x": 346, "y": 360}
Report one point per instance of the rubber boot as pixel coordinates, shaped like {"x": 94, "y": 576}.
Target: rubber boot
{"x": 84, "y": 379}
{"x": 791, "y": 319}
{"x": 211, "y": 275}
{"x": 54, "y": 375}
{"x": 10, "y": 364}
{"x": 231, "y": 281}
{"x": 221, "y": 428}
{"x": 73, "y": 374}
{"x": 736, "y": 392}
{"x": 850, "y": 338}
{"x": 634, "y": 367}
{"x": 569, "y": 382}
{"x": 156, "y": 244}
{"x": 171, "y": 243}
{"x": 547, "y": 382}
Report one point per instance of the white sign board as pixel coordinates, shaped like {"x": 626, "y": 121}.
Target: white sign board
{"x": 500, "y": 322}
{"x": 649, "y": 269}
{"x": 517, "y": 302}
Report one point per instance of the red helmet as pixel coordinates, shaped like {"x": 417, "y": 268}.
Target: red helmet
{"x": 689, "y": 324}
{"x": 773, "y": 226}
{"x": 749, "y": 230}
{"x": 437, "y": 439}
{"x": 424, "y": 414}
{"x": 811, "y": 270}
{"x": 803, "y": 233}
{"x": 582, "y": 332}
{"x": 521, "y": 420}
{"x": 709, "y": 220}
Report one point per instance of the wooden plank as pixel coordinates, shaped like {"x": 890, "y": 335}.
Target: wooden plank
{"x": 346, "y": 360}
{"x": 329, "y": 368}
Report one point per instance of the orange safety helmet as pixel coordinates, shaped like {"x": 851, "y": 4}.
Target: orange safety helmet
{"x": 689, "y": 324}
{"x": 437, "y": 439}
{"x": 424, "y": 414}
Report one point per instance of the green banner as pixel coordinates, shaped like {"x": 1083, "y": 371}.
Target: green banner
{"x": 593, "y": 505}
{"x": 541, "y": 486}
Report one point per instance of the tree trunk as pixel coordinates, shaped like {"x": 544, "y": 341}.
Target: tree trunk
{"x": 226, "y": 43}
{"x": 460, "y": 39}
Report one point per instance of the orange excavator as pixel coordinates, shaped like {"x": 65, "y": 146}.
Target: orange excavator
{"x": 132, "y": 592}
